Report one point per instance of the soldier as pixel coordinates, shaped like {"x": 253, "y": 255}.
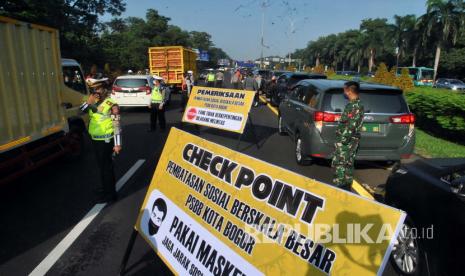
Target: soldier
{"x": 348, "y": 137}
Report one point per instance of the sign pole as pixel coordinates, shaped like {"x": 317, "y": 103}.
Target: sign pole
{"x": 127, "y": 253}
{"x": 253, "y": 131}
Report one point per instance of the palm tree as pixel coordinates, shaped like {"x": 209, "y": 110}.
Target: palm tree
{"x": 444, "y": 20}
{"x": 402, "y": 30}
{"x": 418, "y": 38}
{"x": 379, "y": 36}
{"x": 356, "y": 50}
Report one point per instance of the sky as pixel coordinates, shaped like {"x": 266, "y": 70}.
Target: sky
{"x": 235, "y": 26}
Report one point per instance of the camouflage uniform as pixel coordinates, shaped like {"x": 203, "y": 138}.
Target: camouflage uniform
{"x": 347, "y": 140}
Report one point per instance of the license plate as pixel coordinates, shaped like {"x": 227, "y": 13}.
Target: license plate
{"x": 371, "y": 128}
{"x": 130, "y": 94}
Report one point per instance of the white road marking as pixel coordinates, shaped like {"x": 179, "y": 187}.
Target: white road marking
{"x": 64, "y": 244}
{"x": 128, "y": 174}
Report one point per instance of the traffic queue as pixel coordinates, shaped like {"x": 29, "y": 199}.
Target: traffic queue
{"x": 327, "y": 120}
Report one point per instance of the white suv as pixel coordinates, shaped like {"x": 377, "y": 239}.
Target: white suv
{"x": 132, "y": 90}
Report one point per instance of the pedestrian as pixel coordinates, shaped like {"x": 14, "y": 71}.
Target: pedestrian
{"x": 219, "y": 79}
{"x": 260, "y": 84}
{"x": 105, "y": 132}
{"x": 211, "y": 79}
{"x": 157, "y": 106}
{"x": 189, "y": 82}
{"x": 348, "y": 137}
{"x": 236, "y": 79}
{"x": 271, "y": 89}
{"x": 183, "y": 92}
{"x": 250, "y": 84}
{"x": 167, "y": 92}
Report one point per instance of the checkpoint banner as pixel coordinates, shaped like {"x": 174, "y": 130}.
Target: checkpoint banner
{"x": 210, "y": 210}
{"x": 222, "y": 108}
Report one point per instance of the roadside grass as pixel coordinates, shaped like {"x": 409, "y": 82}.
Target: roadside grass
{"x": 349, "y": 78}
{"x": 429, "y": 89}
{"x": 433, "y": 147}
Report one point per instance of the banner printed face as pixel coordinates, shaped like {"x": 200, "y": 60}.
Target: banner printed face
{"x": 221, "y": 108}
{"x": 213, "y": 210}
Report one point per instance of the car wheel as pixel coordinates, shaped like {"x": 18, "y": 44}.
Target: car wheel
{"x": 299, "y": 156}
{"x": 281, "y": 129}
{"x": 407, "y": 256}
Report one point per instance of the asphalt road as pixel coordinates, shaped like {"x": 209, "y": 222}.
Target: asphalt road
{"x": 38, "y": 211}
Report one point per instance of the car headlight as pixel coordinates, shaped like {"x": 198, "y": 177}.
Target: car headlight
{"x": 454, "y": 87}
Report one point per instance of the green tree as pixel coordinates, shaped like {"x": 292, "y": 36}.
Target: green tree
{"x": 200, "y": 40}
{"x": 77, "y": 21}
{"x": 379, "y": 37}
{"x": 444, "y": 20}
{"x": 403, "y": 28}
{"x": 356, "y": 50}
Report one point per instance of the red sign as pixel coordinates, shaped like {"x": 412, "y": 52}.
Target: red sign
{"x": 191, "y": 113}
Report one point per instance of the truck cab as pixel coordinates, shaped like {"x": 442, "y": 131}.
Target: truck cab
{"x": 74, "y": 92}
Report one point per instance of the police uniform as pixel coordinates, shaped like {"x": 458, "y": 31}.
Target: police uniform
{"x": 157, "y": 99}
{"x": 347, "y": 141}
{"x": 105, "y": 132}
{"x": 211, "y": 79}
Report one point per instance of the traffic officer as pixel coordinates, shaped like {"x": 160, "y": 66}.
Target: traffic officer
{"x": 105, "y": 132}
{"x": 348, "y": 137}
{"x": 211, "y": 79}
{"x": 157, "y": 105}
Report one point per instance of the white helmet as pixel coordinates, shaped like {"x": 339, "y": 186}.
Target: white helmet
{"x": 130, "y": 71}
{"x": 190, "y": 72}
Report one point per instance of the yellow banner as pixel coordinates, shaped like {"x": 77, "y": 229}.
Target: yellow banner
{"x": 221, "y": 108}
{"x": 211, "y": 210}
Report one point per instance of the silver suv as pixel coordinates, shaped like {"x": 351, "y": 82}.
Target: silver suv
{"x": 310, "y": 114}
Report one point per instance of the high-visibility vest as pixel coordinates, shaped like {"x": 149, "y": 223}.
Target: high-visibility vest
{"x": 211, "y": 77}
{"x": 157, "y": 97}
{"x": 101, "y": 125}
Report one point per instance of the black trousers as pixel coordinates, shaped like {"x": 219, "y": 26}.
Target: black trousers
{"x": 104, "y": 154}
{"x": 219, "y": 83}
{"x": 256, "y": 98}
{"x": 155, "y": 113}
{"x": 210, "y": 83}
{"x": 184, "y": 99}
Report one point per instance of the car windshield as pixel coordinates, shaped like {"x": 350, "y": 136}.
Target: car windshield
{"x": 375, "y": 101}
{"x": 131, "y": 83}
{"x": 456, "y": 82}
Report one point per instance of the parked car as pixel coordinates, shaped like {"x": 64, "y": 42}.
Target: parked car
{"x": 370, "y": 74}
{"x": 311, "y": 112}
{"x": 132, "y": 90}
{"x": 347, "y": 73}
{"x": 453, "y": 84}
{"x": 432, "y": 240}
{"x": 287, "y": 80}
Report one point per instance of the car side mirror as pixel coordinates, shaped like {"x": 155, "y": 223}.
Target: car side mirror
{"x": 458, "y": 187}
{"x": 446, "y": 82}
